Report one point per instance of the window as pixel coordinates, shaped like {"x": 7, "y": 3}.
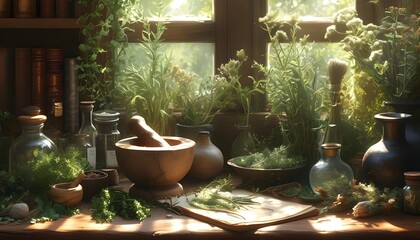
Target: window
{"x": 212, "y": 31}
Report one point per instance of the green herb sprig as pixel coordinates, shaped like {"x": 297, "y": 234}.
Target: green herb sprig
{"x": 217, "y": 195}
{"x": 278, "y": 158}
{"x": 111, "y": 202}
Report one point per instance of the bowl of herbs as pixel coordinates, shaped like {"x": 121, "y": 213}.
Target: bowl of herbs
{"x": 268, "y": 167}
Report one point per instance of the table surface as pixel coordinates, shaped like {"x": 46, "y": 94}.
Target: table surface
{"x": 167, "y": 225}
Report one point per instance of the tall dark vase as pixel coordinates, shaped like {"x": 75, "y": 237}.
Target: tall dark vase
{"x": 412, "y": 129}
{"x": 385, "y": 162}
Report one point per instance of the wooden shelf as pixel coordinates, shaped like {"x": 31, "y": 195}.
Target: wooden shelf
{"x": 39, "y": 23}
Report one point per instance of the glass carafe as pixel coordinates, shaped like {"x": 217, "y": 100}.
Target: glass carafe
{"x": 330, "y": 174}
{"x": 31, "y": 138}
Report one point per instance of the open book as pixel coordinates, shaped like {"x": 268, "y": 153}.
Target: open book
{"x": 267, "y": 211}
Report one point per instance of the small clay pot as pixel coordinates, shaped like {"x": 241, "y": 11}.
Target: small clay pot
{"x": 61, "y": 193}
{"x": 93, "y": 185}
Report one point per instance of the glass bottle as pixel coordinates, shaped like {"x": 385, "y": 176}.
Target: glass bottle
{"x": 243, "y": 144}
{"x": 106, "y": 122}
{"x": 411, "y": 193}
{"x": 330, "y": 174}
{"x": 31, "y": 138}
{"x": 78, "y": 141}
{"x": 87, "y": 127}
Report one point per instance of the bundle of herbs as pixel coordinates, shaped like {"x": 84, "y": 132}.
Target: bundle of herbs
{"x": 112, "y": 202}
{"x": 278, "y": 158}
{"x": 217, "y": 195}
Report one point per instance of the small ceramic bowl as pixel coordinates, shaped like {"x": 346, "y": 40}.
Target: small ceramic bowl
{"x": 61, "y": 193}
{"x": 93, "y": 183}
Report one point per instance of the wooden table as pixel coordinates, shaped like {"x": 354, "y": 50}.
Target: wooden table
{"x": 164, "y": 224}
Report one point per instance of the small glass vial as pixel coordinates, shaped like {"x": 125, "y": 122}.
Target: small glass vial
{"x": 106, "y": 122}
{"x": 87, "y": 127}
{"x": 411, "y": 193}
{"x": 330, "y": 174}
{"x": 32, "y": 137}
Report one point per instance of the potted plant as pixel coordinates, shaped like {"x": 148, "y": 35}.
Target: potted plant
{"x": 292, "y": 90}
{"x": 197, "y": 100}
{"x": 149, "y": 88}
{"x": 385, "y": 62}
{"x": 238, "y": 91}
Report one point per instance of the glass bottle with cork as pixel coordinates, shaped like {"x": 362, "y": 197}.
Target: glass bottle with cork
{"x": 87, "y": 127}
{"x": 31, "y": 138}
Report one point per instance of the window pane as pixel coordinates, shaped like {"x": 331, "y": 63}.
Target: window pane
{"x": 308, "y": 8}
{"x": 181, "y": 9}
{"x": 194, "y": 57}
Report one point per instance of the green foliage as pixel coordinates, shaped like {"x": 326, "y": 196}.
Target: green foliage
{"x": 104, "y": 25}
{"x": 150, "y": 88}
{"x": 217, "y": 195}
{"x": 278, "y": 158}
{"x": 237, "y": 89}
{"x": 292, "y": 88}
{"x": 197, "y": 99}
{"x": 111, "y": 203}
{"x": 47, "y": 169}
{"x": 385, "y": 63}
{"x": 387, "y": 53}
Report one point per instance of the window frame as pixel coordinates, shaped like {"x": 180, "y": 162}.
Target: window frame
{"x": 236, "y": 26}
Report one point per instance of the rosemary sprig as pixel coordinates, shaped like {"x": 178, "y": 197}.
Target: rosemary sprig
{"x": 217, "y": 195}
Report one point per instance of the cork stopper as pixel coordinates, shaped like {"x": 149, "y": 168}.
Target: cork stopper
{"x": 330, "y": 149}
{"x": 412, "y": 178}
{"x": 32, "y": 115}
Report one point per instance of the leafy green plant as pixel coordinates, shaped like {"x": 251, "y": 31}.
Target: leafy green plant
{"x": 385, "y": 62}
{"x": 104, "y": 25}
{"x": 198, "y": 99}
{"x": 47, "y": 169}
{"x": 111, "y": 202}
{"x": 292, "y": 88}
{"x": 239, "y": 90}
{"x": 149, "y": 88}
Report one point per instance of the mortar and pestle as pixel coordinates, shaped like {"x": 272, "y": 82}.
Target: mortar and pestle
{"x": 68, "y": 194}
{"x": 155, "y": 164}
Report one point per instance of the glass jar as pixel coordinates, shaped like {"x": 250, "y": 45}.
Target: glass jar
{"x": 244, "y": 143}
{"x": 330, "y": 174}
{"x": 106, "y": 122}
{"x": 411, "y": 193}
{"x": 31, "y": 138}
{"x": 87, "y": 127}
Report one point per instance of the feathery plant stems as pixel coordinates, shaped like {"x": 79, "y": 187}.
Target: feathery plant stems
{"x": 291, "y": 86}
{"x": 231, "y": 72}
{"x": 150, "y": 87}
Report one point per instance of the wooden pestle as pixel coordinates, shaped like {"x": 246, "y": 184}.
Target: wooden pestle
{"x": 77, "y": 180}
{"x": 146, "y": 135}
